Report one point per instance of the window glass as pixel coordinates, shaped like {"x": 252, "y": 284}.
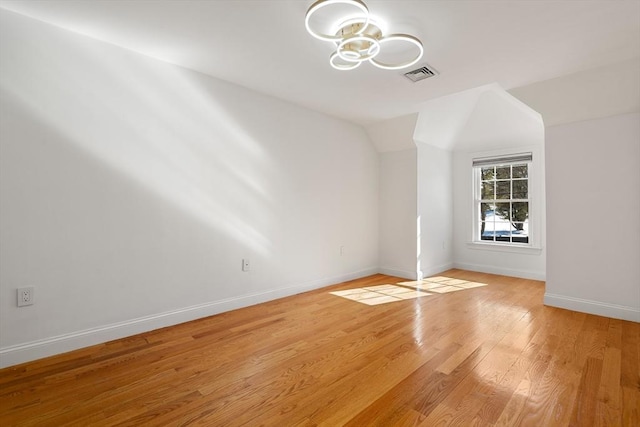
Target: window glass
{"x": 502, "y": 210}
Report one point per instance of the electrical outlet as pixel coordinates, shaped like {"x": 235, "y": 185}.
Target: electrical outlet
{"x": 25, "y": 296}
{"x": 245, "y": 264}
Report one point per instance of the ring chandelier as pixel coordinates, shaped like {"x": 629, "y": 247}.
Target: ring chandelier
{"x": 359, "y": 38}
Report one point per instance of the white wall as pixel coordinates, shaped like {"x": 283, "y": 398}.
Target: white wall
{"x": 449, "y": 132}
{"x": 130, "y": 190}
{"x": 435, "y": 209}
{"x": 398, "y": 212}
{"x": 436, "y": 132}
{"x": 499, "y": 124}
{"x": 593, "y": 204}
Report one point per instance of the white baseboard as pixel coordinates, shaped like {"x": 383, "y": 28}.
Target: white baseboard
{"x": 413, "y": 275}
{"x": 398, "y": 273}
{"x": 16, "y": 354}
{"x": 533, "y": 275}
{"x": 593, "y": 307}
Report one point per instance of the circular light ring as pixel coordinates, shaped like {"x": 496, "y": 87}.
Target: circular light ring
{"x": 369, "y": 53}
{"x": 401, "y": 37}
{"x": 368, "y": 25}
{"x": 323, "y": 3}
{"x": 342, "y": 67}
{"x": 373, "y": 50}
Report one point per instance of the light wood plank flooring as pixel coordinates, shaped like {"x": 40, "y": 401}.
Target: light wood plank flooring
{"x": 491, "y": 355}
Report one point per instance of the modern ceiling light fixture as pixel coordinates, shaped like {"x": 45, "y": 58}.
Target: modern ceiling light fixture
{"x": 358, "y": 37}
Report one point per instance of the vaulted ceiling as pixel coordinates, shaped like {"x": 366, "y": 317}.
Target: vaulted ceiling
{"x": 263, "y": 44}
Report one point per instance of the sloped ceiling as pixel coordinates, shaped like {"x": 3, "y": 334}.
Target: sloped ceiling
{"x": 599, "y": 92}
{"x": 263, "y": 45}
{"x": 441, "y": 120}
{"x": 483, "y": 118}
{"x": 394, "y": 134}
{"x": 499, "y": 120}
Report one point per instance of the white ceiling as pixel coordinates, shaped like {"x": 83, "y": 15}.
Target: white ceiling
{"x": 263, "y": 45}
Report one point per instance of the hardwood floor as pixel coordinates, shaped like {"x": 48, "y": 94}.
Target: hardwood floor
{"x": 491, "y": 355}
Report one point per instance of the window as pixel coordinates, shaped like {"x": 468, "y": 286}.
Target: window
{"x": 501, "y": 199}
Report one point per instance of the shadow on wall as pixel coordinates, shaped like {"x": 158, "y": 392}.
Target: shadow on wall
{"x": 155, "y": 125}
{"x": 131, "y": 190}
{"x": 74, "y": 226}
{"x": 127, "y": 189}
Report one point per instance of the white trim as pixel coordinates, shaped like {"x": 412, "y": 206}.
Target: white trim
{"x": 533, "y": 275}
{"x": 509, "y": 159}
{"x": 25, "y": 352}
{"x": 511, "y": 247}
{"x": 405, "y": 274}
{"x": 593, "y": 307}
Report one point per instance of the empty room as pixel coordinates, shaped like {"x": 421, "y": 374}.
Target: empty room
{"x": 320, "y": 213}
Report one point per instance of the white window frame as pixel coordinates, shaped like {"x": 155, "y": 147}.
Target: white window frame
{"x": 536, "y": 190}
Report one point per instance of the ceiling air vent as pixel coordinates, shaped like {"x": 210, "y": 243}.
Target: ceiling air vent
{"x": 421, "y": 74}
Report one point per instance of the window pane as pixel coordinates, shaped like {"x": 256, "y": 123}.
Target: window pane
{"x": 486, "y": 230}
{"x": 520, "y": 228}
{"x": 488, "y": 173}
{"x": 503, "y": 172}
{"x": 503, "y": 189}
{"x": 519, "y": 212}
{"x": 502, "y": 212}
{"x": 488, "y": 190}
{"x": 503, "y": 236}
{"x": 520, "y": 171}
{"x": 520, "y": 234}
{"x": 486, "y": 211}
{"x": 520, "y": 189}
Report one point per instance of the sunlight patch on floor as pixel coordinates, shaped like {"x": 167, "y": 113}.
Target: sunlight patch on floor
{"x": 442, "y": 284}
{"x": 381, "y": 294}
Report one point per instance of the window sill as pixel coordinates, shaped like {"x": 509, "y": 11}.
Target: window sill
{"x": 517, "y": 249}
